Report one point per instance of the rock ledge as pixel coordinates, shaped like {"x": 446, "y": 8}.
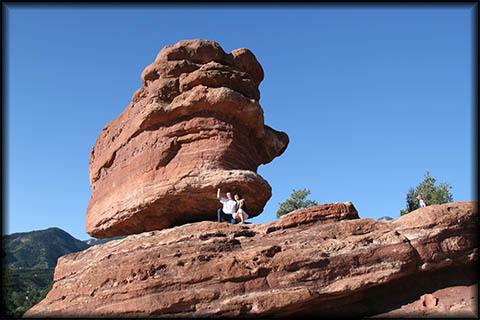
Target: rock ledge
{"x": 300, "y": 265}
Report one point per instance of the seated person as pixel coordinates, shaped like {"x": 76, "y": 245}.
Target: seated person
{"x": 240, "y": 215}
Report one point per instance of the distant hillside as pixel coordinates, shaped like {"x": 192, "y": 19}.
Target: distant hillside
{"x": 31, "y": 258}
{"x": 39, "y": 249}
{"x": 93, "y": 242}
{"x": 385, "y": 218}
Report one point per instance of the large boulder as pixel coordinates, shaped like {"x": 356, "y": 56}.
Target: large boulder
{"x": 323, "y": 261}
{"x": 196, "y": 125}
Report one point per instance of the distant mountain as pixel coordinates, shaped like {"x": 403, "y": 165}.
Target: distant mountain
{"x": 385, "y": 218}
{"x": 94, "y": 242}
{"x": 32, "y": 256}
{"x": 39, "y": 249}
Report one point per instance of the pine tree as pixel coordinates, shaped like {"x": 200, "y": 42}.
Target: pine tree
{"x": 296, "y": 201}
{"x": 431, "y": 194}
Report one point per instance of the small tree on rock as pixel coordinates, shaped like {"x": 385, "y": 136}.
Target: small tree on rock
{"x": 296, "y": 201}
{"x": 431, "y": 194}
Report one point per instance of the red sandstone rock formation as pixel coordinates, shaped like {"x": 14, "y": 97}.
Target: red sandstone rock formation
{"x": 322, "y": 261}
{"x": 454, "y": 301}
{"x": 196, "y": 125}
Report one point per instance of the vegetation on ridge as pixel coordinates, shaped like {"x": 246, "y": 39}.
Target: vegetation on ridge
{"x": 431, "y": 194}
{"x": 297, "y": 201}
{"x": 29, "y": 260}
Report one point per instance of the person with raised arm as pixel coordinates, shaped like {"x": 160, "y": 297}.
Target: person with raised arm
{"x": 229, "y": 208}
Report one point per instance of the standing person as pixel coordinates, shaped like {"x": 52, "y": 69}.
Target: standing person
{"x": 229, "y": 208}
{"x": 421, "y": 203}
{"x": 240, "y": 215}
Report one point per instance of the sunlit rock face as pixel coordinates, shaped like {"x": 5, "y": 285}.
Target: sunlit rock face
{"x": 196, "y": 125}
{"x": 320, "y": 261}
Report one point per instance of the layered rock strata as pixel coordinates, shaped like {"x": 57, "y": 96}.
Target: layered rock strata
{"x": 196, "y": 125}
{"x": 320, "y": 261}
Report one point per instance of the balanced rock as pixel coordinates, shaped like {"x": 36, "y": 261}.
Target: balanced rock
{"x": 324, "y": 261}
{"x": 195, "y": 126}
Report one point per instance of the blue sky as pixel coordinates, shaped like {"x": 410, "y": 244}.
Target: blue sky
{"x": 371, "y": 97}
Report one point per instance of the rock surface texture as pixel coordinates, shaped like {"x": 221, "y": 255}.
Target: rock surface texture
{"x": 322, "y": 261}
{"x": 194, "y": 126}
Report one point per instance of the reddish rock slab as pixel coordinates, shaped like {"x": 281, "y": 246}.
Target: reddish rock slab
{"x": 301, "y": 265}
{"x": 195, "y": 126}
{"x": 325, "y": 212}
{"x": 441, "y": 301}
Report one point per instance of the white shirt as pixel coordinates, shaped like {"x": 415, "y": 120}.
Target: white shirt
{"x": 421, "y": 204}
{"x": 229, "y": 206}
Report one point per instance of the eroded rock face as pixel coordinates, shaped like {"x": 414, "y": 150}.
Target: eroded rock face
{"x": 320, "y": 261}
{"x": 196, "y": 125}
